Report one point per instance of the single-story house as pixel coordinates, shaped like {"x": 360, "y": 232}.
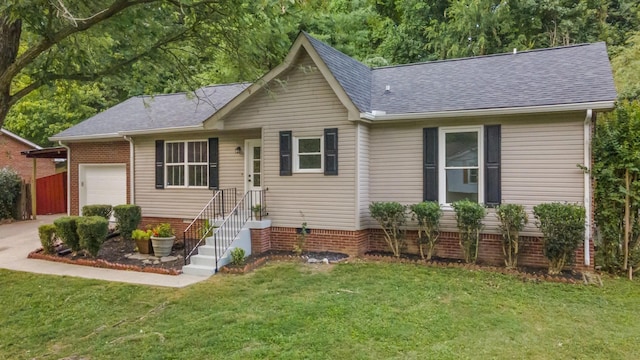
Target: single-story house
{"x": 323, "y": 136}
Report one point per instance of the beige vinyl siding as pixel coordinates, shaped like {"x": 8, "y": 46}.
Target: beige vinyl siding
{"x": 304, "y": 103}
{"x": 539, "y": 157}
{"x": 186, "y": 203}
{"x": 363, "y": 175}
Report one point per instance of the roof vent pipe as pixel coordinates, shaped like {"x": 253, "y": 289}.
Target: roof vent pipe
{"x": 515, "y": 51}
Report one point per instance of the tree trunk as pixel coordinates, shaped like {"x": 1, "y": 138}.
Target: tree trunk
{"x": 9, "y": 43}
{"x": 627, "y": 219}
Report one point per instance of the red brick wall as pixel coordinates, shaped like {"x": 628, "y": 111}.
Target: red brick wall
{"x": 348, "y": 242}
{"x": 10, "y": 155}
{"x": 260, "y": 240}
{"x": 178, "y": 225}
{"x": 110, "y": 152}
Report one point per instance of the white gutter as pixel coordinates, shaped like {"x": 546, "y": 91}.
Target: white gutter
{"x": 132, "y": 196}
{"x": 381, "y": 116}
{"x": 86, "y": 137}
{"x": 68, "y": 177}
{"x": 587, "y": 184}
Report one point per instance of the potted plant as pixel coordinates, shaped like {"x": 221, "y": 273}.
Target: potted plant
{"x": 141, "y": 238}
{"x": 162, "y": 239}
{"x": 257, "y": 211}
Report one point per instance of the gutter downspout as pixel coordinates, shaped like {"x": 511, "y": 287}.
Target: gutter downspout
{"x": 132, "y": 198}
{"x": 587, "y": 185}
{"x": 68, "y": 176}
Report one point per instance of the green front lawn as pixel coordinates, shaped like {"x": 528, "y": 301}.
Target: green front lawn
{"x": 353, "y": 311}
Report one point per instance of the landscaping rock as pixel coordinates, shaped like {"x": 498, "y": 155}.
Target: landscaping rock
{"x": 168, "y": 258}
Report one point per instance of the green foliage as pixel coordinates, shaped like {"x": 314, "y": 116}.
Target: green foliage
{"x": 469, "y": 215}
{"x": 92, "y": 231}
{"x": 428, "y": 214}
{"x": 237, "y": 256}
{"x": 97, "y": 210}
{"x": 391, "y": 216}
{"x": 66, "y": 229}
{"x": 127, "y": 219}
{"x": 562, "y": 227}
{"x": 512, "y": 218}
{"x": 138, "y": 234}
{"x": 163, "y": 230}
{"x": 9, "y": 192}
{"x": 616, "y": 171}
{"x": 47, "y": 234}
{"x": 301, "y": 239}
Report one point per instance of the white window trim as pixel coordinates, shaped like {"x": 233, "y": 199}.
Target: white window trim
{"x": 185, "y": 164}
{"x": 296, "y": 155}
{"x": 442, "y": 175}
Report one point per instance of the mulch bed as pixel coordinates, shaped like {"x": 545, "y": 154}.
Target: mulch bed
{"x": 112, "y": 256}
{"x": 524, "y": 272}
{"x": 113, "y": 251}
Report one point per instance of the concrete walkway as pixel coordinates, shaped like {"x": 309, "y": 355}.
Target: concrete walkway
{"x": 18, "y": 239}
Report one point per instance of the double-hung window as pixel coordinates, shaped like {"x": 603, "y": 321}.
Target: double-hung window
{"x": 461, "y": 164}
{"x": 186, "y": 163}
{"x": 308, "y": 154}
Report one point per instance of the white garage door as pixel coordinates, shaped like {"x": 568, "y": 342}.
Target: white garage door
{"x": 103, "y": 184}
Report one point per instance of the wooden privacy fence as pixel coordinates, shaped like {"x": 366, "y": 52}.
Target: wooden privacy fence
{"x": 23, "y": 205}
{"x": 51, "y": 194}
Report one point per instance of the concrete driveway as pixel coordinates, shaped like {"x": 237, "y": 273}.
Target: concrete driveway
{"x": 18, "y": 239}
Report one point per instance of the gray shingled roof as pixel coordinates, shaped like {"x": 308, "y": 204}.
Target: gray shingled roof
{"x": 562, "y": 75}
{"x": 353, "y": 76}
{"x": 157, "y": 112}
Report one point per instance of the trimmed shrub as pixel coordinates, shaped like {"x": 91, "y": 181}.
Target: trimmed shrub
{"x": 127, "y": 219}
{"x": 469, "y": 215}
{"x": 428, "y": 214}
{"x": 92, "y": 231}
{"x": 562, "y": 227}
{"x": 512, "y": 218}
{"x": 391, "y": 216}
{"x": 97, "y": 210}
{"x": 47, "y": 234}
{"x": 66, "y": 230}
{"x": 9, "y": 192}
{"x": 237, "y": 256}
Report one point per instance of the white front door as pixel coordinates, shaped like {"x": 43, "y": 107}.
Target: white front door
{"x": 253, "y": 165}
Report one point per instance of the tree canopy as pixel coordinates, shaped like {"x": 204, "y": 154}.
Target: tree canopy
{"x": 62, "y": 61}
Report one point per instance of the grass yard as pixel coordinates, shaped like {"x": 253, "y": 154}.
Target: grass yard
{"x": 296, "y": 311}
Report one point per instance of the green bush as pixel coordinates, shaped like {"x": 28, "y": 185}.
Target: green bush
{"x": 512, "y": 218}
{"x": 391, "y": 216}
{"x": 127, "y": 219}
{"x": 66, "y": 230}
{"x": 47, "y": 234}
{"x": 237, "y": 256}
{"x": 9, "y": 192}
{"x": 92, "y": 231}
{"x": 97, "y": 210}
{"x": 562, "y": 227}
{"x": 469, "y": 215}
{"x": 428, "y": 214}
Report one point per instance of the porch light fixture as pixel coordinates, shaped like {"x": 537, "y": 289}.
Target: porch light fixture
{"x": 238, "y": 150}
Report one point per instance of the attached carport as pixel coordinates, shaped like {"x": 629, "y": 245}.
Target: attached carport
{"x": 58, "y": 152}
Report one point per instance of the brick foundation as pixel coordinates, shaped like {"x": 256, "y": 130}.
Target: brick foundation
{"x": 358, "y": 242}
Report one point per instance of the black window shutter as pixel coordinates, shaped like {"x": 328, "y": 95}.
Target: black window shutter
{"x": 493, "y": 189}
{"x": 159, "y": 164}
{"x": 430, "y": 159}
{"x": 285, "y": 153}
{"x": 331, "y": 151}
{"x": 214, "y": 170}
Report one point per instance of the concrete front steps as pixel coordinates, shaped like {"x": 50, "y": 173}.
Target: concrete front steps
{"x": 204, "y": 262}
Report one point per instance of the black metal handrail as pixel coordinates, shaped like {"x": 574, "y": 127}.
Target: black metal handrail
{"x": 217, "y": 209}
{"x": 244, "y": 210}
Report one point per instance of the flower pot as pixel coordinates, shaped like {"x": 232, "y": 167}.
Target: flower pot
{"x": 162, "y": 245}
{"x": 144, "y": 246}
